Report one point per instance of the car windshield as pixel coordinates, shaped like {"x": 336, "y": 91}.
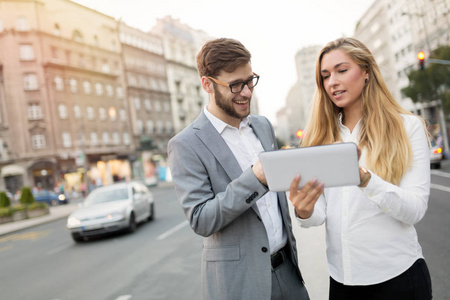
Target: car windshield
{"x": 41, "y": 193}
{"x": 100, "y": 196}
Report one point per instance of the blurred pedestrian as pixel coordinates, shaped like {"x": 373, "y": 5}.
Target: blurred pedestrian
{"x": 372, "y": 246}
{"x": 249, "y": 251}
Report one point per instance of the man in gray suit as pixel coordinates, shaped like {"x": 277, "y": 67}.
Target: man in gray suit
{"x": 249, "y": 251}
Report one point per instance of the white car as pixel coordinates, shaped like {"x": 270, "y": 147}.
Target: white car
{"x": 111, "y": 208}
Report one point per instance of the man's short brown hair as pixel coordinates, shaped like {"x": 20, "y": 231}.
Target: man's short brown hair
{"x": 221, "y": 54}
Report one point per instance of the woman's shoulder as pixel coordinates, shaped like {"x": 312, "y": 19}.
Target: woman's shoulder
{"x": 411, "y": 120}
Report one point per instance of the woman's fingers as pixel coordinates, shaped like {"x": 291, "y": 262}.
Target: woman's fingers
{"x": 305, "y": 198}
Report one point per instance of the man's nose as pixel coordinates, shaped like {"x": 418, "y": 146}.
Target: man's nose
{"x": 246, "y": 91}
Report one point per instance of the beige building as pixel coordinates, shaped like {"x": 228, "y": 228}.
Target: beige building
{"x": 299, "y": 98}
{"x": 148, "y": 97}
{"x": 181, "y": 44}
{"x": 62, "y": 98}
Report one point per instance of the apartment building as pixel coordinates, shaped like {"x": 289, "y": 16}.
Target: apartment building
{"x": 63, "y": 105}
{"x": 145, "y": 71}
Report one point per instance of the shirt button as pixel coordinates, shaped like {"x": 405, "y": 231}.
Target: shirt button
{"x": 264, "y": 249}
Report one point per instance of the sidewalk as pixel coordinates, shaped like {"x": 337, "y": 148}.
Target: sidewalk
{"x": 56, "y": 212}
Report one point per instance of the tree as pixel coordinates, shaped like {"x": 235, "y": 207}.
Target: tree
{"x": 4, "y": 200}
{"x": 26, "y": 196}
{"x": 431, "y": 83}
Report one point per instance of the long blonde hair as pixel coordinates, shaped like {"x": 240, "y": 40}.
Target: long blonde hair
{"x": 383, "y": 134}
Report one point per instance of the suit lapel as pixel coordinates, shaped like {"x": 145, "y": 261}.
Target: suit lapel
{"x": 218, "y": 147}
{"x": 263, "y": 134}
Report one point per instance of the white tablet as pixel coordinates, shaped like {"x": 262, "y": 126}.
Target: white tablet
{"x": 334, "y": 165}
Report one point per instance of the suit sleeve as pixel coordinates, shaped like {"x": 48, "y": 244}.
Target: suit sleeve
{"x": 206, "y": 211}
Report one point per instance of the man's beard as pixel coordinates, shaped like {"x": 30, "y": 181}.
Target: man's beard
{"x": 227, "y": 106}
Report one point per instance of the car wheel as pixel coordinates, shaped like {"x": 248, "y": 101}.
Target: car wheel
{"x": 77, "y": 238}
{"x": 132, "y": 223}
{"x": 152, "y": 212}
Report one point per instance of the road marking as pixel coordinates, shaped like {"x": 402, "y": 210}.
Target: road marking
{"x": 59, "y": 249}
{"x": 440, "y": 187}
{"x": 6, "y": 248}
{"x": 440, "y": 173}
{"x": 172, "y": 231}
{"x": 124, "y": 297}
{"x": 27, "y": 236}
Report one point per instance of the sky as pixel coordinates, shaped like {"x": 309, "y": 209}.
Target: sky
{"x": 273, "y": 31}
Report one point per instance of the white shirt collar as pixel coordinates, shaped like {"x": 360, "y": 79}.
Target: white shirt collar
{"x": 221, "y": 125}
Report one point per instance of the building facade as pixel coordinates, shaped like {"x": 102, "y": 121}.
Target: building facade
{"x": 62, "y": 96}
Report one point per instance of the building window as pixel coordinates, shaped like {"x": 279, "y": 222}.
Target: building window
{"x": 30, "y": 82}
{"x": 122, "y": 115}
{"x": 159, "y": 126}
{"x": 105, "y": 138}
{"x": 77, "y": 111}
{"x": 26, "y": 52}
{"x": 66, "y": 139}
{"x": 139, "y": 126}
{"x": 77, "y": 36}
{"x": 73, "y": 85}
{"x": 102, "y": 113}
{"x": 34, "y": 112}
{"x": 57, "y": 30}
{"x": 157, "y": 105}
{"x": 166, "y": 107}
{"x": 90, "y": 115}
{"x": 62, "y": 109}
{"x": 109, "y": 90}
{"x": 126, "y": 138}
{"x": 106, "y": 68}
{"x": 169, "y": 126}
{"x": 116, "y": 138}
{"x": 94, "y": 139}
{"x": 137, "y": 103}
{"x": 38, "y": 141}
{"x": 119, "y": 92}
{"x": 99, "y": 89}
{"x": 59, "y": 83}
{"x": 150, "y": 127}
{"x": 148, "y": 104}
{"x": 87, "y": 87}
{"x": 22, "y": 24}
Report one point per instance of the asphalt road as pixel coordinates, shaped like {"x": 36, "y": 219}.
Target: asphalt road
{"x": 161, "y": 260}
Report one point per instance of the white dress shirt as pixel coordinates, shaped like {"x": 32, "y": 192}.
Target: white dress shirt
{"x": 370, "y": 231}
{"x": 246, "y": 147}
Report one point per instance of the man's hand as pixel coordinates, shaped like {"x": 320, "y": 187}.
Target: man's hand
{"x": 259, "y": 172}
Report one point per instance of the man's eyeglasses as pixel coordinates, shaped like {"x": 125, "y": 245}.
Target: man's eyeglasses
{"x": 237, "y": 87}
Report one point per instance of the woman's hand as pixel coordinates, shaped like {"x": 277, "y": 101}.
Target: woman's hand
{"x": 305, "y": 198}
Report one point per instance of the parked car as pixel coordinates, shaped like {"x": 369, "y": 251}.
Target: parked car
{"x": 435, "y": 155}
{"x": 50, "y": 197}
{"x": 116, "y": 207}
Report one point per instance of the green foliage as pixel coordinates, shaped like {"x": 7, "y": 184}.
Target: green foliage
{"x": 4, "y": 200}
{"x": 5, "y": 211}
{"x": 433, "y": 82}
{"x": 37, "y": 205}
{"x": 26, "y": 197}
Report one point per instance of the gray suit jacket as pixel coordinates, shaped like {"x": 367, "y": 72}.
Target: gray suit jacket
{"x": 219, "y": 201}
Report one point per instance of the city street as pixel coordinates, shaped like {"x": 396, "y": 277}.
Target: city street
{"x": 161, "y": 260}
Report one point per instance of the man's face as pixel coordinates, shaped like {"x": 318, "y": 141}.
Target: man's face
{"x": 232, "y": 108}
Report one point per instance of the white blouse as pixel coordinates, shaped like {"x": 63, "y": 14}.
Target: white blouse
{"x": 370, "y": 231}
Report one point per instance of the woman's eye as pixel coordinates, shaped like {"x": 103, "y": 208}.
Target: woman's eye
{"x": 343, "y": 71}
{"x": 325, "y": 77}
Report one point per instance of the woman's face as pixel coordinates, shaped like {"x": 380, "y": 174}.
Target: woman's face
{"x": 342, "y": 79}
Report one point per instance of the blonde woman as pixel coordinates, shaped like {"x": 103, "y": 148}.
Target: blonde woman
{"x": 372, "y": 246}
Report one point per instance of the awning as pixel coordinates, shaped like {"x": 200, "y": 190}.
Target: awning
{"x": 12, "y": 170}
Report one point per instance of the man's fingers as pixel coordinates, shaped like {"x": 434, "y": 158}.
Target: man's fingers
{"x": 294, "y": 184}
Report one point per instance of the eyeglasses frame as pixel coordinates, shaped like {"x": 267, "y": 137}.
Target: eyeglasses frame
{"x": 245, "y": 83}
